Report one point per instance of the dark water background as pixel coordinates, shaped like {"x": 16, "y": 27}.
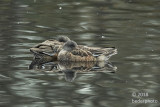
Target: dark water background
{"x": 132, "y": 26}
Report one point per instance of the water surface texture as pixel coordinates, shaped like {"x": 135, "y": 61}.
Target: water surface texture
{"x": 132, "y": 26}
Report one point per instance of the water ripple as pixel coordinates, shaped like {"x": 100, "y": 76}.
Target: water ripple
{"x": 26, "y": 31}
{"x": 29, "y": 37}
{"x": 132, "y": 26}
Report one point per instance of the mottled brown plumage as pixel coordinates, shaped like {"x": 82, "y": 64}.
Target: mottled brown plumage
{"x": 55, "y": 46}
{"x": 50, "y": 46}
{"x": 72, "y": 52}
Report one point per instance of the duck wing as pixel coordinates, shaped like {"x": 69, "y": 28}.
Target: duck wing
{"x": 48, "y": 46}
{"x": 81, "y": 52}
{"x": 50, "y": 42}
{"x": 97, "y": 51}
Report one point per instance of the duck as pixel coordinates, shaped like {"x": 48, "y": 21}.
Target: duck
{"x": 74, "y": 53}
{"x": 49, "y": 49}
{"x": 49, "y": 46}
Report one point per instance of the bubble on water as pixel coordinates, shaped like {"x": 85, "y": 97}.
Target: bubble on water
{"x": 102, "y": 37}
{"x": 60, "y": 8}
{"x": 43, "y": 67}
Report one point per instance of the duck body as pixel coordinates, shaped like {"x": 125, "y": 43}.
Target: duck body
{"x": 54, "y": 46}
{"x": 63, "y": 49}
{"x": 75, "y": 56}
{"x": 72, "y": 52}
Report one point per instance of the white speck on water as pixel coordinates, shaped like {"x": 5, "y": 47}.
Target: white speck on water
{"x": 35, "y": 1}
{"x": 102, "y": 37}
{"x": 150, "y": 35}
{"x": 23, "y": 6}
{"x": 44, "y": 83}
{"x": 60, "y": 8}
{"x": 43, "y": 67}
{"x": 21, "y": 22}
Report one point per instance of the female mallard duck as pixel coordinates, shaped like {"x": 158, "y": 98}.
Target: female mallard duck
{"x": 49, "y": 46}
{"x": 72, "y": 52}
{"x": 52, "y": 46}
{"x": 49, "y": 49}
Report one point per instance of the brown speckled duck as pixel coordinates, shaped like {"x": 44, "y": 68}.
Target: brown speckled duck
{"x": 49, "y": 49}
{"x": 72, "y": 52}
{"x": 50, "y": 46}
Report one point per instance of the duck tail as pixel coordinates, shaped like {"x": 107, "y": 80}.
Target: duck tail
{"x": 107, "y": 54}
{"x": 38, "y": 55}
{"x": 110, "y": 51}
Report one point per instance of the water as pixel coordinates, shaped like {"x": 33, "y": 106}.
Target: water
{"x": 132, "y": 26}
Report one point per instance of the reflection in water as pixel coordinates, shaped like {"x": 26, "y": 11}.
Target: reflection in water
{"x": 70, "y": 69}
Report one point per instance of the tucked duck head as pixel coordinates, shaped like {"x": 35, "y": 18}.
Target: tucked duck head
{"x": 70, "y": 45}
{"x": 63, "y": 39}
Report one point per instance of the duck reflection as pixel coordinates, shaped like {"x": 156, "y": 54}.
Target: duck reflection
{"x": 70, "y": 69}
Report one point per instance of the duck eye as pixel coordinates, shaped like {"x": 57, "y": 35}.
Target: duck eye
{"x": 73, "y": 45}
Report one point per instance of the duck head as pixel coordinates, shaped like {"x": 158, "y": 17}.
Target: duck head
{"x": 70, "y": 45}
{"x": 63, "y": 39}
